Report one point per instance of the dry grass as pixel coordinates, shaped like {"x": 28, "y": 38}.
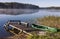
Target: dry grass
{"x": 51, "y": 21}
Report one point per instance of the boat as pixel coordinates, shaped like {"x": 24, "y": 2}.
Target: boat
{"x": 17, "y": 27}
{"x": 44, "y": 28}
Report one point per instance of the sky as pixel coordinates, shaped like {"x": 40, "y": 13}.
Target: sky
{"x": 41, "y": 3}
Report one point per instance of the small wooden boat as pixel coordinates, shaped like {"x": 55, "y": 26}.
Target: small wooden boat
{"x": 45, "y": 28}
{"x": 17, "y": 27}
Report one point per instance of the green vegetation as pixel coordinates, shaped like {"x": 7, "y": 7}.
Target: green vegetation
{"x": 51, "y": 21}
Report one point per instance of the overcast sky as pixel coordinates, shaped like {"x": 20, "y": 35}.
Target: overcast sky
{"x": 41, "y": 3}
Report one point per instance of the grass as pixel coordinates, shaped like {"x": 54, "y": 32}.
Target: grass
{"x": 51, "y": 21}
{"x": 47, "y": 36}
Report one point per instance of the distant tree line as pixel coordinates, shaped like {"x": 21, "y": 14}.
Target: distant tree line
{"x": 14, "y": 5}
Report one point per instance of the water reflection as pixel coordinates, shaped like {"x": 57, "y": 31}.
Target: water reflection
{"x": 18, "y": 11}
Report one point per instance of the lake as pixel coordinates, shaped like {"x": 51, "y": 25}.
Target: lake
{"x": 28, "y": 16}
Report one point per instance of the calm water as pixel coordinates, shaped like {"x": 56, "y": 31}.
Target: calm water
{"x": 25, "y": 18}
